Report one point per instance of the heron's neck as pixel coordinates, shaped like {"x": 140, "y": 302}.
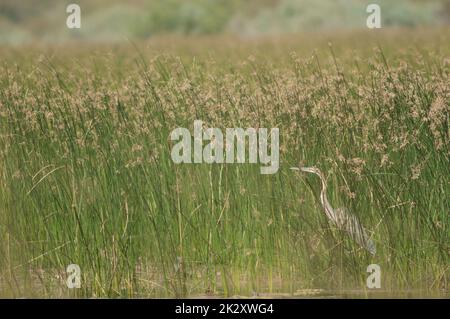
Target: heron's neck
{"x": 324, "y": 200}
{"x": 323, "y": 193}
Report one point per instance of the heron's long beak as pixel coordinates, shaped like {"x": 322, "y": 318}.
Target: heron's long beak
{"x": 295, "y": 168}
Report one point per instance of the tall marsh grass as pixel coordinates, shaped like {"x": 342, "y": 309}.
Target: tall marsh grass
{"x": 86, "y": 175}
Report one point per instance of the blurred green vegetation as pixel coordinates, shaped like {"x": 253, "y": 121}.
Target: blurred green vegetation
{"x": 188, "y": 17}
{"x": 115, "y": 20}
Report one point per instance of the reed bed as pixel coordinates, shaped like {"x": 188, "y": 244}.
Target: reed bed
{"x": 86, "y": 175}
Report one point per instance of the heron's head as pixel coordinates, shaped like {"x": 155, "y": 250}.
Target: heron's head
{"x": 312, "y": 169}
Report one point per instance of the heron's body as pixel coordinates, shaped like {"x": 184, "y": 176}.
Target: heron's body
{"x": 340, "y": 217}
